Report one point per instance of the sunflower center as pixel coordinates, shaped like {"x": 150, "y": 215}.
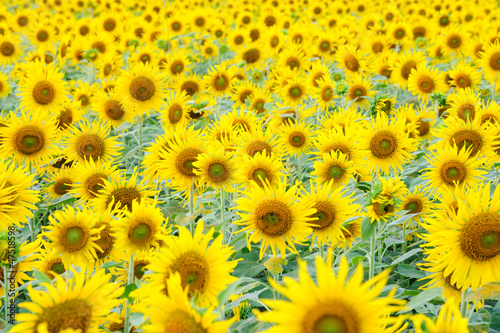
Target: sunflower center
{"x": 190, "y": 87}
{"x": 466, "y": 111}
{"x": 467, "y": 139}
{"x": 273, "y": 218}
{"x": 251, "y": 56}
{"x": 258, "y": 147}
{"x": 425, "y": 84}
{"x": 297, "y": 139}
{"x": 90, "y": 145}
{"x": 351, "y": 63}
{"x": 123, "y": 198}
{"x": 327, "y": 94}
{"x": 139, "y": 268}
{"x": 335, "y": 172}
{"x": 480, "y": 237}
{"x": 295, "y": 92}
{"x": 406, "y": 69}
{"x": 324, "y": 216}
{"x": 7, "y": 49}
{"x": 495, "y": 61}
{"x": 356, "y": 92}
{"x": 175, "y": 113}
{"x": 221, "y": 83}
{"x": 62, "y": 186}
{"x": 74, "y": 235}
{"x": 142, "y": 88}
{"x": 414, "y": 206}
{"x": 113, "y": 110}
{"x": 259, "y": 105}
{"x": 105, "y": 242}
{"x": 217, "y": 172}
{"x": 141, "y": 234}
{"x": 94, "y": 183}
{"x": 454, "y": 41}
{"x": 259, "y": 176}
{"x": 44, "y": 92}
{"x": 71, "y": 314}
{"x": 462, "y": 81}
{"x": 29, "y": 140}
{"x": 383, "y": 144}
{"x": 58, "y": 267}
{"x": 109, "y": 24}
{"x": 194, "y": 271}
{"x": 184, "y": 161}
{"x": 177, "y": 67}
{"x": 178, "y": 321}
{"x": 333, "y": 317}
{"x": 382, "y": 208}
{"x": 453, "y": 171}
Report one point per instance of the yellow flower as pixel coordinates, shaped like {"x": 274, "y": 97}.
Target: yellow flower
{"x": 424, "y": 81}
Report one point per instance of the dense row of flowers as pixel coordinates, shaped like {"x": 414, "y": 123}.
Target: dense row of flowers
{"x": 211, "y": 166}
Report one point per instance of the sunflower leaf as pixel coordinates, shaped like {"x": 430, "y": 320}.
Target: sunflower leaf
{"x": 367, "y": 228}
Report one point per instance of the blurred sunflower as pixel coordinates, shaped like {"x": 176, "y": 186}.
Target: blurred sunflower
{"x": 403, "y": 64}
{"x": 463, "y": 75}
{"x": 448, "y": 320}
{"x": 174, "y": 112}
{"x": 261, "y": 168}
{"x": 360, "y": 89}
{"x": 296, "y": 138}
{"x": 215, "y": 169}
{"x": 464, "y": 104}
{"x": 489, "y": 61}
{"x": 108, "y": 107}
{"x": 4, "y": 86}
{"x": 62, "y": 184}
{"x": 10, "y": 48}
{"x": 423, "y": 81}
{"x": 333, "y": 168}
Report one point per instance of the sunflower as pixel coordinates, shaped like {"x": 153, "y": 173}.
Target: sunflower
{"x": 258, "y": 101}
{"x": 218, "y": 80}
{"x": 70, "y": 304}
{"x": 273, "y": 215}
{"x": 107, "y": 251}
{"x": 252, "y": 55}
{"x": 385, "y": 198}
{"x": 293, "y": 57}
{"x": 451, "y": 167}
{"x": 344, "y": 118}
{"x": 71, "y": 234}
{"x": 10, "y": 49}
{"x": 176, "y": 63}
{"x": 42, "y": 34}
{"x": 424, "y": 81}
{"x": 464, "y": 104}
{"x": 215, "y": 169}
{"x": 174, "y": 112}
{"x": 403, "y": 64}
{"x": 476, "y": 138}
{"x": 178, "y": 160}
{"x": 350, "y": 231}
{"x": 19, "y": 260}
{"x": 333, "y": 168}
{"x": 43, "y": 88}
{"x": 29, "y": 138}
{"x": 67, "y": 115}
{"x": 118, "y": 196}
{"x": 386, "y": 144}
{"x": 49, "y": 262}
{"x": 83, "y": 92}
{"x": 417, "y": 202}
{"x": 359, "y": 90}
{"x": 333, "y": 208}
{"x": 205, "y": 270}
{"x": 174, "y": 313}
{"x": 91, "y": 140}
{"x": 340, "y": 141}
{"x": 490, "y": 61}
{"x": 463, "y": 75}
{"x": 108, "y": 108}
{"x": 490, "y": 113}
{"x": 294, "y": 91}
{"x": 333, "y": 303}
{"x": 296, "y": 138}
{"x": 261, "y": 168}
{"x": 454, "y": 40}
{"x": 191, "y": 84}
{"x": 471, "y": 250}
{"x": 241, "y": 121}
{"x": 142, "y": 88}
{"x": 242, "y": 91}
{"x": 88, "y": 178}
{"x": 273, "y": 40}
{"x": 259, "y": 141}
{"x": 351, "y": 60}
{"x": 61, "y": 184}
{"x": 141, "y": 228}
{"x": 4, "y": 86}
{"x": 141, "y": 261}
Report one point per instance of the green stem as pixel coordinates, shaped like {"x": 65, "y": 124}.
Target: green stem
{"x": 405, "y": 246}
{"x": 223, "y": 216}
{"x": 191, "y": 208}
{"x": 299, "y": 169}
{"x": 126, "y": 328}
{"x": 493, "y": 97}
{"x": 371, "y": 272}
{"x": 463, "y": 304}
{"x": 322, "y": 251}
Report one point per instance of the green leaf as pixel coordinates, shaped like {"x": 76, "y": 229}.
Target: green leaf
{"x": 367, "y": 228}
{"x": 128, "y": 289}
{"x": 406, "y": 256}
{"x": 422, "y": 298}
{"x": 111, "y": 264}
{"x": 40, "y": 277}
{"x": 410, "y": 271}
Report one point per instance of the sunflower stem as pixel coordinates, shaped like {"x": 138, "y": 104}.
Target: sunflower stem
{"x": 404, "y": 245}
{"x": 493, "y": 97}
{"x": 223, "y": 216}
{"x": 191, "y": 208}
{"x": 463, "y": 304}
{"x": 299, "y": 169}
{"x": 371, "y": 271}
{"x": 126, "y": 328}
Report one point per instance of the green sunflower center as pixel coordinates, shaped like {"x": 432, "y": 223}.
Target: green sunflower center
{"x": 74, "y": 235}
{"x": 141, "y": 234}
{"x": 335, "y": 171}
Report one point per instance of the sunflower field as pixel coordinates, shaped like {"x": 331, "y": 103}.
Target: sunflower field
{"x": 209, "y": 166}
